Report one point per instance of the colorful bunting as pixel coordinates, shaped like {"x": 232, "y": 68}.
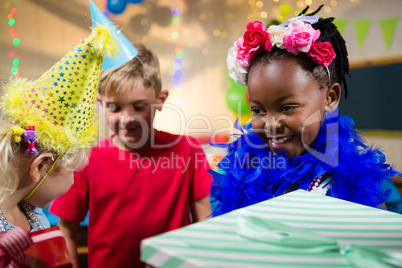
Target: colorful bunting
{"x": 388, "y": 27}
{"x": 362, "y": 28}
{"x": 341, "y": 25}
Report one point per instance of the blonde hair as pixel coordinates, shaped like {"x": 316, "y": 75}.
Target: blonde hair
{"x": 12, "y": 157}
{"x": 144, "y": 67}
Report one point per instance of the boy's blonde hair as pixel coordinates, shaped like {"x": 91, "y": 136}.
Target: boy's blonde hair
{"x": 144, "y": 67}
{"x": 12, "y": 159}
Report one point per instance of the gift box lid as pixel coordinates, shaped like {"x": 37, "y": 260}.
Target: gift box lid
{"x": 48, "y": 249}
{"x": 296, "y": 229}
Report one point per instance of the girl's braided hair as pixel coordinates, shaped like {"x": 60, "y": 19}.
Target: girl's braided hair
{"x": 329, "y": 33}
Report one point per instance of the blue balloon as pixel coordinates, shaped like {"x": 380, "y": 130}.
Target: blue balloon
{"x": 116, "y": 6}
{"x": 134, "y": 1}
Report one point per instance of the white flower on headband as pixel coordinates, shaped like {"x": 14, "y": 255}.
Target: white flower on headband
{"x": 236, "y": 71}
{"x": 295, "y": 36}
{"x": 276, "y": 35}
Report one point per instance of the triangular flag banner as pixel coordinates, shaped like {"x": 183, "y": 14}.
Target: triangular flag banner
{"x": 388, "y": 27}
{"x": 127, "y": 50}
{"x": 341, "y": 25}
{"x": 361, "y": 27}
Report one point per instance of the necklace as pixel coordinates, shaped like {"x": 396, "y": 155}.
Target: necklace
{"x": 321, "y": 184}
{"x": 4, "y": 226}
{"x": 27, "y": 209}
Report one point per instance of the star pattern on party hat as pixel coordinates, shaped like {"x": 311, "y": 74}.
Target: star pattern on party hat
{"x": 66, "y": 91}
{"x": 61, "y": 104}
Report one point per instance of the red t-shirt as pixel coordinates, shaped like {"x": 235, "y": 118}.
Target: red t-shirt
{"x": 134, "y": 195}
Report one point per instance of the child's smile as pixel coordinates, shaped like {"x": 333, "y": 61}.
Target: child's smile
{"x": 278, "y": 142}
{"x": 131, "y": 130}
{"x": 287, "y": 104}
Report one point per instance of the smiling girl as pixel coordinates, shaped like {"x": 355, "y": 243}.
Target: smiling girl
{"x": 294, "y": 73}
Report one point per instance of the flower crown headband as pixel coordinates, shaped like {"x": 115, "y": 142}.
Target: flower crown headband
{"x": 297, "y": 35}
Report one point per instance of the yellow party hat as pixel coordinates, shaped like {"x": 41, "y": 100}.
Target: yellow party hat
{"x": 61, "y": 104}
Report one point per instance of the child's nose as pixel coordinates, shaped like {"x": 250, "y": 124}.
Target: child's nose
{"x": 128, "y": 112}
{"x": 128, "y": 118}
{"x": 273, "y": 125}
{"x": 128, "y": 115}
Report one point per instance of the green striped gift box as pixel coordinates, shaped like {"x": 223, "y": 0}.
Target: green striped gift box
{"x": 216, "y": 242}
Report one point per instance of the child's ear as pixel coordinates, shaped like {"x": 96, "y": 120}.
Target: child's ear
{"x": 163, "y": 95}
{"x": 40, "y": 166}
{"x": 99, "y": 99}
{"x": 333, "y": 97}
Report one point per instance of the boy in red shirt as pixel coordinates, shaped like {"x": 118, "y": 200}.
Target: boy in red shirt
{"x": 139, "y": 182}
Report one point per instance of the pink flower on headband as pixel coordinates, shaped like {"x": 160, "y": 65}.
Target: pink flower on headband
{"x": 322, "y": 53}
{"x": 242, "y": 53}
{"x": 235, "y": 69}
{"x": 257, "y": 37}
{"x": 299, "y": 37}
{"x": 254, "y": 40}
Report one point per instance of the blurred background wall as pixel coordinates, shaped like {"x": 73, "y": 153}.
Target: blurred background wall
{"x": 191, "y": 38}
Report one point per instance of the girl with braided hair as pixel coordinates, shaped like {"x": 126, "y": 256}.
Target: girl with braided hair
{"x": 296, "y": 140}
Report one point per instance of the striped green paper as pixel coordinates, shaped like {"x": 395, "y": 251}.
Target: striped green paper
{"x": 216, "y": 243}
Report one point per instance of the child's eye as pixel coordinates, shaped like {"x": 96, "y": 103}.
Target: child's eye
{"x": 288, "y": 108}
{"x": 139, "y": 107}
{"x": 256, "y": 111}
{"x": 112, "y": 108}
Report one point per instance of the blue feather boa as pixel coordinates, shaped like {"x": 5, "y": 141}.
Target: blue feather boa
{"x": 250, "y": 173}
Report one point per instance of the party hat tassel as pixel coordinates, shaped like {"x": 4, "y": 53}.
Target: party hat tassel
{"x": 103, "y": 41}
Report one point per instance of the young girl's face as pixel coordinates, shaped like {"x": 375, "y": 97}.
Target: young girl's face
{"x": 287, "y": 105}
